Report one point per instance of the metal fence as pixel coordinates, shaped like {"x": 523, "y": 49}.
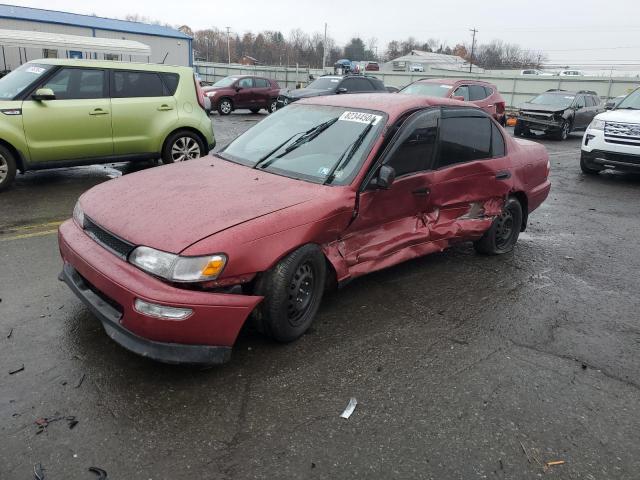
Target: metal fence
{"x": 515, "y": 89}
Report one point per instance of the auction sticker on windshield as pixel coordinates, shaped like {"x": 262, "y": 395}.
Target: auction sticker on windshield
{"x": 36, "y": 70}
{"x": 360, "y": 117}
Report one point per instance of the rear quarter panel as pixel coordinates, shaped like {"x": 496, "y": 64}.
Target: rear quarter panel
{"x": 530, "y": 170}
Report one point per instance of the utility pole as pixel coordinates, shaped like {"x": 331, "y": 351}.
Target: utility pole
{"x": 324, "y": 47}
{"x": 229, "y": 44}
{"x": 473, "y": 48}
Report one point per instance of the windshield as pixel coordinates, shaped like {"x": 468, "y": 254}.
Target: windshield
{"x": 225, "y": 82}
{"x": 428, "y": 89}
{"x": 324, "y": 84}
{"x": 311, "y": 142}
{"x": 16, "y": 81}
{"x": 631, "y": 101}
{"x": 553, "y": 100}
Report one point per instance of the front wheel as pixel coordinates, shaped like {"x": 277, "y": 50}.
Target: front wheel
{"x": 182, "y": 146}
{"x": 565, "y": 129}
{"x": 293, "y": 290}
{"x": 7, "y": 168}
{"x": 273, "y": 105}
{"x": 504, "y": 231}
{"x": 225, "y": 107}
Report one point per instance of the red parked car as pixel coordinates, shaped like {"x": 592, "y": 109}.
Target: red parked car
{"x": 174, "y": 260}
{"x": 482, "y": 94}
{"x": 237, "y": 92}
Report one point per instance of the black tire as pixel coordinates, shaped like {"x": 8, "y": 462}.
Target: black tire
{"x": 225, "y": 106}
{"x": 293, "y": 290}
{"x": 254, "y": 110}
{"x": 273, "y": 105}
{"x": 565, "y": 130}
{"x": 585, "y": 168}
{"x": 518, "y": 129}
{"x": 7, "y": 168}
{"x": 504, "y": 231}
{"x": 181, "y": 146}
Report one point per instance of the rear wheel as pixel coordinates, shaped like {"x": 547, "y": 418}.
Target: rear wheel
{"x": 273, "y": 105}
{"x": 293, "y": 290}
{"x": 182, "y": 146}
{"x": 7, "y": 168}
{"x": 225, "y": 107}
{"x": 504, "y": 231}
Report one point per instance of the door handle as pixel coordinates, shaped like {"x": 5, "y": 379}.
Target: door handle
{"x": 99, "y": 111}
{"x": 503, "y": 175}
{"x": 421, "y": 192}
{"x": 164, "y": 108}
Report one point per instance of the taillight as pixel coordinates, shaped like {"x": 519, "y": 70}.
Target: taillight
{"x": 500, "y": 108}
{"x": 199, "y": 92}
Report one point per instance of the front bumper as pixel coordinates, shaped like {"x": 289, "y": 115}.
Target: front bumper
{"x": 597, "y": 153}
{"x": 109, "y": 286}
{"x": 538, "y": 124}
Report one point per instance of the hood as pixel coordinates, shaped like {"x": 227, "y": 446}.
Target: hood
{"x": 174, "y": 206}
{"x": 626, "y": 116}
{"x": 306, "y": 93}
{"x": 532, "y": 107}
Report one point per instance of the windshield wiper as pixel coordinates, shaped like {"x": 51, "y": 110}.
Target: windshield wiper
{"x": 306, "y": 137}
{"x": 626, "y": 108}
{"x": 348, "y": 153}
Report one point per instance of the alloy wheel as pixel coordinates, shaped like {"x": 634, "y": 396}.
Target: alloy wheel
{"x": 4, "y": 168}
{"x": 273, "y": 107}
{"x": 225, "y": 106}
{"x": 300, "y": 293}
{"x": 185, "y": 148}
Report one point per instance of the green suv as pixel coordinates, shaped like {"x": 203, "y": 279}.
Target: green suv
{"x": 62, "y": 113}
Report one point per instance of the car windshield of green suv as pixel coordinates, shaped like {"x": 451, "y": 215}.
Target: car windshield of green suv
{"x": 428, "y": 89}
{"x": 316, "y": 143}
{"x": 554, "y": 100}
{"x": 631, "y": 102}
{"x": 16, "y": 81}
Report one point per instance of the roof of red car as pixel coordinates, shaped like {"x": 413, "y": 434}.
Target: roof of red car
{"x": 453, "y": 81}
{"x": 393, "y": 104}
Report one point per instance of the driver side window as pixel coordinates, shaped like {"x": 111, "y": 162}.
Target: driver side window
{"x": 245, "y": 83}
{"x": 416, "y": 145}
{"x": 580, "y": 102}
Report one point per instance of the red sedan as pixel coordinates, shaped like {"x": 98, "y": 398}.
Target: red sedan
{"x": 482, "y": 94}
{"x": 174, "y": 260}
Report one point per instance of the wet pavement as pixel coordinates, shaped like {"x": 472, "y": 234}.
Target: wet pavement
{"x": 463, "y": 366}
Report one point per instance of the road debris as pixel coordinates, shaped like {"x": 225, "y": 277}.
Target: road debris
{"x": 44, "y": 422}
{"x": 102, "y": 474}
{"x": 524, "y": 450}
{"x": 17, "y": 370}
{"x": 80, "y": 381}
{"x": 554, "y": 463}
{"x": 38, "y": 472}
{"x": 351, "y": 406}
{"x": 10, "y": 334}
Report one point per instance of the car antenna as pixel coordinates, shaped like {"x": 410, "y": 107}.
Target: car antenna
{"x": 165, "y": 57}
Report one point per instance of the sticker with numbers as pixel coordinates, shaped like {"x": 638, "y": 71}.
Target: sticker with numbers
{"x": 360, "y": 117}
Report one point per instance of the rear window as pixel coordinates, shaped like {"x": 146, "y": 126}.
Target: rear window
{"x": 128, "y": 84}
{"x": 171, "y": 81}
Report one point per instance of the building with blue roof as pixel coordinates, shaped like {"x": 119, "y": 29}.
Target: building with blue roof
{"x": 167, "y": 45}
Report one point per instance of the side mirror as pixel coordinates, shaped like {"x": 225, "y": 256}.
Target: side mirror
{"x": 458, "y": 97}
{"x": 238, "y": 88}
{"x": 385, "y": 178}
{"x": 609, "y": 105}
{"x": 341, "y": 90}
{"x": 44, "y": 94}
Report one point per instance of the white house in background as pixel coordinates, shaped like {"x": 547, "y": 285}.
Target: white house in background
{"x": 165, "y": 44}
{"x": 421, "y": 61}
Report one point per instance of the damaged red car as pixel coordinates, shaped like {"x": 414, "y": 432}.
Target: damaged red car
{"x": 174, "y": 260}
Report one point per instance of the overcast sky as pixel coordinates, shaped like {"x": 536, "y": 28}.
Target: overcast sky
{"x": 568, "y": 31}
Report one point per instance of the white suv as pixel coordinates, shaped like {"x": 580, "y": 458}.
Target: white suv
{"x": 612, "y": 140}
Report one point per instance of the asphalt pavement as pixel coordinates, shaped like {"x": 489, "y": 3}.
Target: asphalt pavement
{"x": 463, "y": 366}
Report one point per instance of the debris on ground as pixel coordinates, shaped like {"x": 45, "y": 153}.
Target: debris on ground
{"x": 38, "y": 472}
{"x": 10, "y": 334}
{"x": 553, "y": 463}
{"x": 80, "y": 381}
{"x": 102, "y": 474}
{"x": 44, "y": 422}
{"x": 17, "y": 370}
{"x": 524, "y": 450}
{"x": 351, "y": 406}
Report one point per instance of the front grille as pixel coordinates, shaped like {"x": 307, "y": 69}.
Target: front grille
{"x": 105, "y": 298}
{"x": 622, "y": 133}
{"x": 108, "y": 240}
{"x": 537, "y": 116}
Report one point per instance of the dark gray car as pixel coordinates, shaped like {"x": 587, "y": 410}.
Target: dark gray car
{"x": 332, "y": 85}
{"x": 558, "y": 112}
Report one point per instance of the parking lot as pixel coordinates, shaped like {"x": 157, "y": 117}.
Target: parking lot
{"x": 463, "y": 366}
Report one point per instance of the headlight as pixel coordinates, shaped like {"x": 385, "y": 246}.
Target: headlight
{"x": 176, "y": 268}
{"x": 597, "y": 124}
{"x": 78, "y": 215}
{"x": 210, "y": 94}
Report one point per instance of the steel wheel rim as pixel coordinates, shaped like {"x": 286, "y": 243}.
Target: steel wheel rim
{"x": 225, "y": 106}
{"x": 504, "y": 229}
{"x": 4, "y": 168}
{"x": 300, "y": 295}
{"x": 185, "y": 148}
